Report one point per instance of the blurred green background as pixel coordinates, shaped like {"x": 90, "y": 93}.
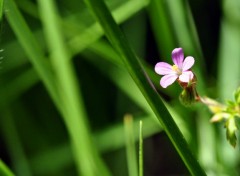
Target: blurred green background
{"x": 66, "y": 87}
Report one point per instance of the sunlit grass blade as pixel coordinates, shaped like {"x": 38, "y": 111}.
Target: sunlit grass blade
{"x": 135, "y": 69}
{"x": 88, "y": 160}
{"x": 130, "y": 146}
{"x": 4, "y": 170}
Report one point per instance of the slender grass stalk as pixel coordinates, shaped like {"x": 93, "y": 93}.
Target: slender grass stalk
{"x": 140, "y": 149}
{"x": 130, "y": 146}
{"x": 32, "y": 49}
{"x": 88, "y": 160}
{"x": 1, "y": 9}
{"x": 59, "y": 156}
{"x": 14, "y": 144}
{"x": 135, "y": 69}
{"x": 4, "y": 170}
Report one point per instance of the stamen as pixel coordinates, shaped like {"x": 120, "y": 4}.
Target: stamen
{"x": 176, "y": 69}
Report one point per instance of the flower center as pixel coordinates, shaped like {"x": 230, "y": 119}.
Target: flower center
{"x": 176, "y": 69}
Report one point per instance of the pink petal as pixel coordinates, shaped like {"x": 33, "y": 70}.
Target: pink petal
{"x": 186, "y": 76}
{"x": 188, "y": 63}
{"x": 168, "y": 80}
{"x": 177, "y": 57}
{"x": 163, "y": 68}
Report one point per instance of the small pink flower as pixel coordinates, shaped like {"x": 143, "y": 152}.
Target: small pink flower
{"x": 180, "y": 69}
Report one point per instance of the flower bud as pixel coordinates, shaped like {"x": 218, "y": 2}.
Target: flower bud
{"x": 189, "y": 95}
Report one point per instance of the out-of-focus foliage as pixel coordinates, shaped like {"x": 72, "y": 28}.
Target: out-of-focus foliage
{"x": 39, "y": 127}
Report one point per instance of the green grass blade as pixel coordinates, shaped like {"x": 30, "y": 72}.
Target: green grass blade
{"x": 130, "y": 146}
{"x": 161, "y": 27}
{"x": 59, "y": 157}
{"x": 94, "y": 31}
{"x": 105, "y": 51}
{"x": 1, "y": 9}
{"x": 135, "y": 69}
{"x": 14, "y": 144}
{"x": 11, "y": 90}
{"x": 88, "y": 161}
{"x": 32, "y": 49}
{"x": 140, "y": 148}
{"x": 229, "y": 54}
{"x": 101, "y": 137}
{"x": 29, "y": 7}
{"x": 4, "y": 170}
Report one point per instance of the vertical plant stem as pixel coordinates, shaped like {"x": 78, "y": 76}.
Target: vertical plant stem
{"x": 1, "y": 10}
{"x": 89, "y": 162}
{"x": 135, "y": 69}
{"x": 140, "y": 149}
{"x": 130, "y": 145}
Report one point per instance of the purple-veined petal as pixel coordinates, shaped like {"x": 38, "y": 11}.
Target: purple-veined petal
{"x": 177, "y": 57}
{"x": 163, "y": 68}
{"x": 188, "y": 63}
{"x": 186, "y": 76}
{"x": 168, "y": 80}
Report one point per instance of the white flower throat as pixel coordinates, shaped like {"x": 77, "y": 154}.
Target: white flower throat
{"x": 177, "y": 69}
